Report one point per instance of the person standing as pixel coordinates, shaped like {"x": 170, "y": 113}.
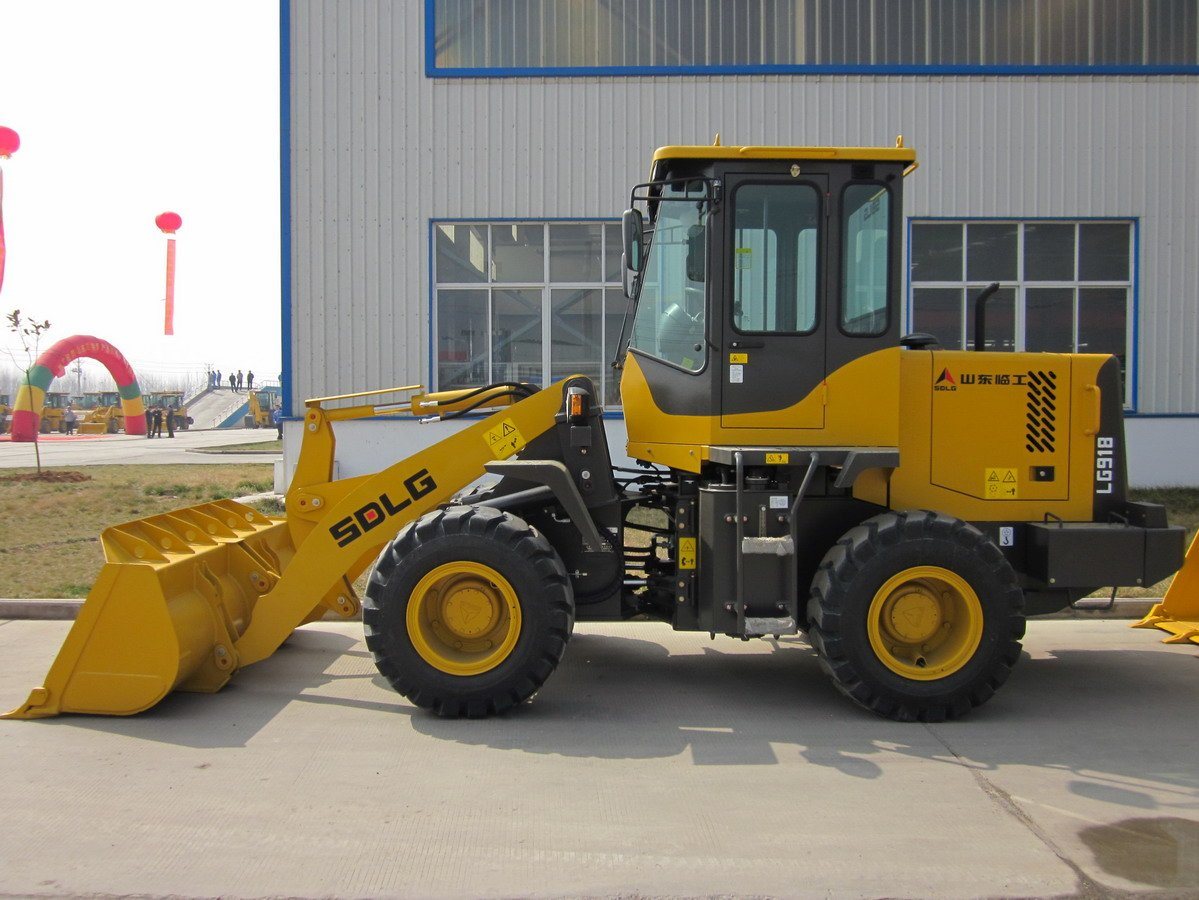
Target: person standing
{"x": 233, "y": 382}
{"x": 277, "y": 418}
{"x": 149, "y": 421}
{"x": 239, "y": 379}
{"x": 158, "y": 421}
{"x": 170, "y": 421}
{"x": 70, "y": 419}
{"x": 249, "y": 381}
{"x": 217, "y": 381}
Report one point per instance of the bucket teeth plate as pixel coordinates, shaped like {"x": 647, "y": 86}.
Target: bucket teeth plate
{"x": 176, "y": 591}
{"x": 1178, "y": 613}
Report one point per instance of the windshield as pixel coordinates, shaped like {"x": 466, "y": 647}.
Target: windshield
{"x": 669, "y": 322}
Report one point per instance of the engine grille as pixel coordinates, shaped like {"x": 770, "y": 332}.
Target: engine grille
{"x": 1041, "y": 426}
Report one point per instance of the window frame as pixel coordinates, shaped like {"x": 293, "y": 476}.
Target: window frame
{"x": 979, "y": 37}
{"x": 1020, "y": 286}
{"x": 546, "y": 288}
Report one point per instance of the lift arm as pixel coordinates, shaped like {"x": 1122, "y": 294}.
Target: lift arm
{"x": 339, "y": 527}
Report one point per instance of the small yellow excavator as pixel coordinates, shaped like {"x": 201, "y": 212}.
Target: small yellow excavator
{"x": 259, "y": 406}
{"x": 804, "y": 467}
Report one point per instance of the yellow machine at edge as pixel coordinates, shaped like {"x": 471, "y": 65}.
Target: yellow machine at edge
{"x": 803, "y": 468}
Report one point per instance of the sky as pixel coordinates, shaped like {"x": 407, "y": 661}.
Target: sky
{"x": 127, "y": 109}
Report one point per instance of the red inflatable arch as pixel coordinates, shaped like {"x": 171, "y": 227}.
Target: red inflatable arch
{"x": 27, "y": 414}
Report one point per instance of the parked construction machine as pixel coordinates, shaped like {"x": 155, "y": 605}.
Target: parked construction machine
{"x": 259, "y": 406}
{"x": 171, "y": 401}
{"x": 104, "y": 413}
{"x": 54, "y": 412}
{"x": 804, "y": 467}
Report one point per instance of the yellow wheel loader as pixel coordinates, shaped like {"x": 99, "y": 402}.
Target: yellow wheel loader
{"x": 804, "y": 467}
{"x": 171, "y": 402}
{"x": 53, "y": 413}
{"x": 105, "y": 414}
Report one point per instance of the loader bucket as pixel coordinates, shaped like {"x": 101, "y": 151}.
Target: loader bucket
{"x": 1178, "y": 613}
{"x": 175, "y": 593}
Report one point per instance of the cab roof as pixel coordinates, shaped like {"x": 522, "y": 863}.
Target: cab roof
{"x": 898, "y": 153}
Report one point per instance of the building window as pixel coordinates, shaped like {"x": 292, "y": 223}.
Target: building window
{"x": 500, "y": 37}
{"x": 1065, "y": 287}
{"x": 527, "y": 301}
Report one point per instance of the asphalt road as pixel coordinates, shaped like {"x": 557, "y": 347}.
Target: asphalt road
{"x": 124, "y": 449}
{"x": 652, "y": 764}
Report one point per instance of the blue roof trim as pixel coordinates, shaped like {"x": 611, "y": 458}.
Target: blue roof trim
{"x": 285, "y": 197}
{"x": 434, "y": 71}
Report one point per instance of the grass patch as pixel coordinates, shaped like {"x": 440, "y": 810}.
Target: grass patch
{"x": 251, "y": 447}
{"x": 50, "y": 533}
{"x": 271, "y": 506}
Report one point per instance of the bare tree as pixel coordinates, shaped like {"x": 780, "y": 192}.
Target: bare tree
{"x": 29, "y": 332}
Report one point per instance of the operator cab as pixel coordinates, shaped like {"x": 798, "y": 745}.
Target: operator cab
{"x": 754, "y": 273}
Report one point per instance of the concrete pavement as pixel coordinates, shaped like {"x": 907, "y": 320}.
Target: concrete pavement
{"x": 123, "y": 449}
{"x": 651, "y": 764}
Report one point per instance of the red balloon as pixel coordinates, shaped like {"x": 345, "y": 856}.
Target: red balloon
{"x": 168, "y": 222}
{"x": 9, "y": 142}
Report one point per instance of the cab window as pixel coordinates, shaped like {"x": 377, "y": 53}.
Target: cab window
{"x": 866, "y": 212}
{"x": 775, "y": 252}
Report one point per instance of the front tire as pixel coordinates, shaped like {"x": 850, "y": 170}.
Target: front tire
{"x": 468, "y": 611}
{"x": 917, "y": 616}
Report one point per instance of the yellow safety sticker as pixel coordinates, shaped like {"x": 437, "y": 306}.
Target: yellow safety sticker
{"x": 743, "y": 257}
{"x": 1000, "y": 484}
{"x": 504, "y": 440}
{"x": 778, "y": 459}
{"x": 738, "y": 357}
{"x": 686, "y": 553}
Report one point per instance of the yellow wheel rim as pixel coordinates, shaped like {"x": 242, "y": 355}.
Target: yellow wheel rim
{"x": 925, "y": 623}
{"x": 463, "y": 618}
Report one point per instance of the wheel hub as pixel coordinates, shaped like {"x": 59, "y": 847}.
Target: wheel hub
{"x": 469, "y": 612}
{"x": 914, "y": 615}
{"x": 925, "y": 623}
{"x": 463, "y": 618}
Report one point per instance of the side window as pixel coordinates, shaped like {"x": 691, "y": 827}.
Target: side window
{"x": 775, "y": 257}
{"x": 866, "y": 212}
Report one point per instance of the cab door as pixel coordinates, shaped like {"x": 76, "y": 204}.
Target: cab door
{"x": 774, "y": 285}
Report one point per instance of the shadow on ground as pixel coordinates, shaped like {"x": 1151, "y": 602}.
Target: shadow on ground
{"x": 627, "y": 698}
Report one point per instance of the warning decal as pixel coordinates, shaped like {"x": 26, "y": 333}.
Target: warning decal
{"x": 1000, "y": 484}
{"x": 504, "y": 440}
{"x": 686, "y": 553}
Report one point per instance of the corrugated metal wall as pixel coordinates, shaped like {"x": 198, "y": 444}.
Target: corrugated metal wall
{"x": 378, "y": 149}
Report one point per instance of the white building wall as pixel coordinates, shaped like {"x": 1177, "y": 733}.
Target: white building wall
{"x": 378, "y": 149}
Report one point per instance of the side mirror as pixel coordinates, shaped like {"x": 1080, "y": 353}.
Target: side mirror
{"x": 632, "y": 228}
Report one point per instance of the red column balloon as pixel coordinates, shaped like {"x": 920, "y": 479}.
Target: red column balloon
{"x": 168, "y": 223}
{"x": 10, "y": 141}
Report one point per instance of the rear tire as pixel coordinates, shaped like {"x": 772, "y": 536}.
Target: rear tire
{"x": 917, "y": 616}
{"x": 468, "y": 611}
